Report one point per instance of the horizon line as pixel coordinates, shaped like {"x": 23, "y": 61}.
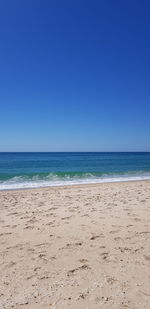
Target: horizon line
{"x": 116, "y": 151}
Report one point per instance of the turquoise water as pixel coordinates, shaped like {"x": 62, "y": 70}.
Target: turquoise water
{"x": 31, "y": 170}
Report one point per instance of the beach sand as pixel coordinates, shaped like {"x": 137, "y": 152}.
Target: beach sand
{"x": 77, "y": 247}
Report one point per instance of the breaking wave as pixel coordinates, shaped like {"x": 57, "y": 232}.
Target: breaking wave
{"x": 62, "y": 179}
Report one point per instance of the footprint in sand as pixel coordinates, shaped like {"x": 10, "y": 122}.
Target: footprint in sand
{"x": 147, "y": 258}
{"x": 83, "y": 267}
{"x": 104, "y": 255}
{"x": 96, "y": 236}
{"x": 83, "y": 261}
{"x": 111, "y": 280}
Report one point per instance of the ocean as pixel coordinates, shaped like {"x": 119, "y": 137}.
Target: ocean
{"x": 33, "y": 170}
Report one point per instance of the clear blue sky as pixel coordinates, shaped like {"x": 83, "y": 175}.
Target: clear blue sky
{"x": 74, "y": 75}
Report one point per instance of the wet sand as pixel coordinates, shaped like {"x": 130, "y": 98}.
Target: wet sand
{"x": 77, "y": 247}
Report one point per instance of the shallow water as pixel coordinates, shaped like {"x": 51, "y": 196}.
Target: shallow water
{"x": 31, "y": 170}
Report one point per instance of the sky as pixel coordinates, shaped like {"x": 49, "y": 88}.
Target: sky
{"x": 74, "y": 75}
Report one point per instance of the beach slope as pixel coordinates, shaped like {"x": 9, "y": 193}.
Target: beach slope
{"x": 76, "y": 247}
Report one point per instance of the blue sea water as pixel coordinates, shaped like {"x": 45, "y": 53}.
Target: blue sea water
{"x": 31, "y": 170}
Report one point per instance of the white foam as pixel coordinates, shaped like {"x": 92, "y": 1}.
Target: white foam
{"x": 23, "y": 183}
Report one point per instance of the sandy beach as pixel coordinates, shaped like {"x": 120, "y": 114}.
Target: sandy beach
{"x": 77, "y": 247}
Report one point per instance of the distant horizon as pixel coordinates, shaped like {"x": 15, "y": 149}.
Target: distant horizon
{"x": 75, "y": 151}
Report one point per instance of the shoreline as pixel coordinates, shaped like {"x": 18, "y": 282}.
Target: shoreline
{"x": 73, "y": 185}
